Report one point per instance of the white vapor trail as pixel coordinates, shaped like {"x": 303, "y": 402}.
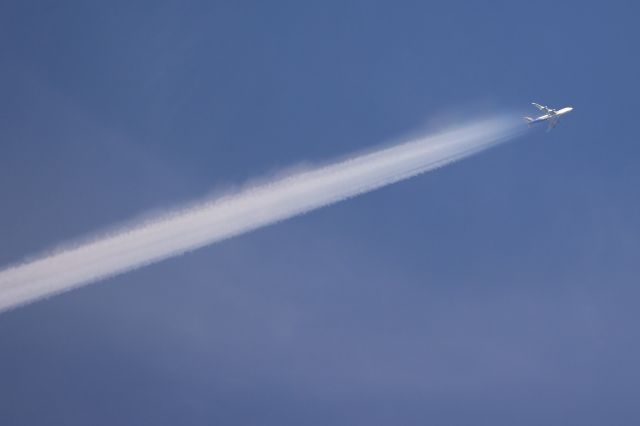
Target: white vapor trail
{"x": 244, "y": 211}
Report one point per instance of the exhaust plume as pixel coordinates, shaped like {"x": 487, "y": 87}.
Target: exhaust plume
{"x": 212, "y": 221}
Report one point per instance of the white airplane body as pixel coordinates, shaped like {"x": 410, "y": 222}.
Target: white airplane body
{"x": 550, "y": 115}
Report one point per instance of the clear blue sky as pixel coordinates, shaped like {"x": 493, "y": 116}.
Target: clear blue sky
{"x": 499, "y": 290}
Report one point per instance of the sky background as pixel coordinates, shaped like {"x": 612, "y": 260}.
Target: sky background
{"x": 502, "y": 289}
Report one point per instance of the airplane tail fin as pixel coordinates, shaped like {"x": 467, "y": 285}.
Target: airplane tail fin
{"x": 529, "y": 120}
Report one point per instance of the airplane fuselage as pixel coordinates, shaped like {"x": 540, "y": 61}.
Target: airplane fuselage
{"x": 553, "y": 115}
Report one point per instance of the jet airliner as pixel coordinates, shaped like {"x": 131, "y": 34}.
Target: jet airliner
{"x": 551, "y": 115}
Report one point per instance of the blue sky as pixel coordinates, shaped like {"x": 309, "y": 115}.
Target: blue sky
{"x": 499, "y": 290}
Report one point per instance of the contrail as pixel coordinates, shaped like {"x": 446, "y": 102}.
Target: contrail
{"x": 244, "y": 211}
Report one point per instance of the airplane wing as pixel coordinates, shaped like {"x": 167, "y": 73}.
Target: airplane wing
{"x": 543, "y": 108}
{"x": 553, "y": 122}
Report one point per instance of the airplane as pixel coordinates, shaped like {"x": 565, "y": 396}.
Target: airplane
{"x": 550, "y": 115}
